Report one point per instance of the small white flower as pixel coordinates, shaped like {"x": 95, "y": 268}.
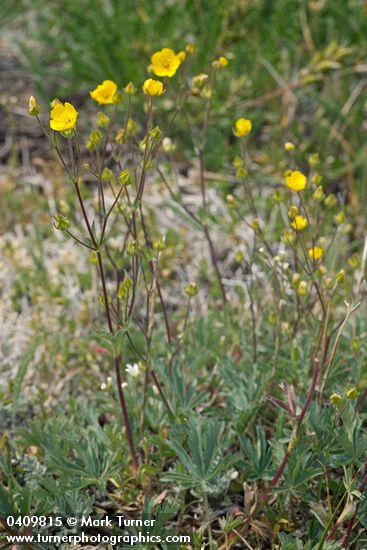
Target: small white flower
{"x": 133, "y": 370}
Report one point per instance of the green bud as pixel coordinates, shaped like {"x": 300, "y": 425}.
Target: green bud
{"x": 124, "y": 177}
{"x": 103, "y": 120}
{"x": 93, "y": 258}
{"x": 239, "y": 256}
{"x": 132, "y": 248}
{"x": 95, "y": 137}
{"x": 33, "y": 107}
{"x": 354, "y": 261}
{"x": 107, "y": 175}
{"x": 314, "y": 159}
{"x": 191, "y": 290}
{"x": 319, "y": 194}
{"x": 278, "y": 196}
{"x": 159, "y": 244}
{"x": 330, "y": 201}
{"x": 130, "y": 89}
{"x": 62, "y": 223}
{"x": 124, "y": 288}
{"x": 155, "y": 133}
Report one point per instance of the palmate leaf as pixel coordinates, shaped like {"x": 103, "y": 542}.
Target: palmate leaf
{"x": 206, "y": 461}
{"x": 6, "y": 504}
{"x": 185, "y": 481}
{"x": 184, "y": 458}
{"x": 213, "y": 436}
{"x": 259, "y": 455}
{"x": 196, "y": 446}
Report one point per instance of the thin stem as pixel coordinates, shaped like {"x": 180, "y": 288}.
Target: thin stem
{"x": 292, "y": 442}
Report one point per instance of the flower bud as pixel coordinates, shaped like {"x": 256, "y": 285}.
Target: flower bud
{"x": 33, "y": 107}
{"x": 289, "y": 146}
{"x": 191, "y": 290}
{"x": 191, "y": 48}
{"x": 354, "y": 261}
{"x": 130, "y": 89}
{"x": 277, "y": 196}
{"x": 340, "y": 218}
{"x": 155, "y": 133}
{"x": 255, "y": 224}
{"x": 352, "y": 393}
{"x": 293, "y": 212}
{"x": 319, "y": 194}
{"x": 124, "y": 288}
{"x": 314, "y": 159}
{"x": 103, "y": 120}
{"x": 93, "y": 258}
{"x": 295, "y": 279}
{"x": 239, "y": 256}
{"x": 124, "y": 177}
{"x": 160, "y": 244}
{"x": 231, "y": 201}
{"x": 107, "y": 175}
{"x": 132, "y": 248}
{"x": 288, "y": 236}
{"x": 95, "y": 137}
{"x": 329, "y": 282}
{"x": 199, "y": 79}
{"x": 62, "y": 223}
{"x": 167, "y": 145}
{"x": 316, "y": 179}
{"x": 330, "y": 201}
{"x": 302, "y": 288}
{"x": 336, "y": 399}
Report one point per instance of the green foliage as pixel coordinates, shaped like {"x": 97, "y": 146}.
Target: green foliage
{"x": 211, "y": 426}
{"x": 207, "y": 464}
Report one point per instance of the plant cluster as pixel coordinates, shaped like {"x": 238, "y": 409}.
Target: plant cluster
{"x": 251, "y": 415}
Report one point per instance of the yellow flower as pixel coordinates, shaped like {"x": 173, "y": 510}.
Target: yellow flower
{"x": 153, "y": 87}
{"x": 105, "y": 93}
{"x": 335, "y": 399}
{"x": 295, "y": 180}
{"x": 289, "y": 146}
{"x": 299, "y": 223}
{"x": 165, "y": 62}
{"x": 181, "y": 56}
{"x": 220, "y": 62}
{"x": 63, "y": 117}
{"x": 242, "y": 127}
{"x": 316, "y": 252}
{"x": 352, "y": 393}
